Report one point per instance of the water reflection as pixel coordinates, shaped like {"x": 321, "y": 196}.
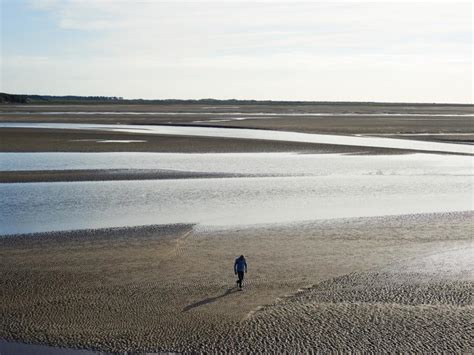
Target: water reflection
{"x": 246, "y": 163}
{"x": 242, "y": 133}
{"x": 34, "y": 207}
{"x": 303, "y": 187}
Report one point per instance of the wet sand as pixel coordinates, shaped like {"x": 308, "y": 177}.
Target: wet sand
{"x": 283, "y": 108}
{"x": 55, "y": 140}
{"x": 326, "y": 118}
{"x": 445, "y": 123}
{"x": 384, "y": 284}
{"x": 108, "y": 175}
{"x": 401, "y": 283}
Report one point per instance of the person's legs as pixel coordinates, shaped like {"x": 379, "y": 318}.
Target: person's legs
{"x": 241, "y": 278}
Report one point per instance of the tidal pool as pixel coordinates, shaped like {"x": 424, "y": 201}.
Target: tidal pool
{"x": 242, "y": 133}
{"x": 283, "y": 164}
{"x": 303, "y": 188}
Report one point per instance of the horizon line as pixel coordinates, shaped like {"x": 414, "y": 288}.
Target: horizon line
{"x": 121, "y": 98}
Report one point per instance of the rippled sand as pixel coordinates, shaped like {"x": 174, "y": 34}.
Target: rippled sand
{"x": 369, "y": 284}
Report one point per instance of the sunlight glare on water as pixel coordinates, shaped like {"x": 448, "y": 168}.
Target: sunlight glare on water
{"x": 242, "y": 133}
{"x": 323, "y": 187}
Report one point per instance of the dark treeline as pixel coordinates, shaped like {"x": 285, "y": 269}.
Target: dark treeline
{"x": 47, "y": 99}
{"x": 71, "y": 99}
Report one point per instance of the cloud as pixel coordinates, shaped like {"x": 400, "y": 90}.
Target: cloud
{"x": 389, "y": 51}
{"x": 209, "y": 29}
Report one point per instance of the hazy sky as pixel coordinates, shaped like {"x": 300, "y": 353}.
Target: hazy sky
{"x": 351, "y": 51}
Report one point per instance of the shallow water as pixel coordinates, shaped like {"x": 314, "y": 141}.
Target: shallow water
{"x": 241, "y": 133}
{"x": 275, "y": 114}
{"x": 322, "y": 187}
{"x": 283, "y": 164}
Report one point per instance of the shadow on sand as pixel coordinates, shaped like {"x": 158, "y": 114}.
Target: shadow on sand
{"x": 210, "y": 299}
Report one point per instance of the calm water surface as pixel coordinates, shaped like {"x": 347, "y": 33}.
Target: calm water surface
{"x": 241, "y": 133}
{"x": 321, "y": 187}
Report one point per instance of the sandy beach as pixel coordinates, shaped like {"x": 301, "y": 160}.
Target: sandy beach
{"x": 147, "y": 146}
{"x": 54, "y": 140}
{"x": 445, "y": 121}
{"x": 399, "y": 283}
{"x": 393, "y": 283}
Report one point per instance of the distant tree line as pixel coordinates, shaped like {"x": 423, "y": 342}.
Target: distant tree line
{"x": 72, "y": 99}
{"x": 38, "y": 99}
{"x": 14, "y": 99}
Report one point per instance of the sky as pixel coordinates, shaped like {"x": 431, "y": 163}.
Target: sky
{"x": 316, "y": 51}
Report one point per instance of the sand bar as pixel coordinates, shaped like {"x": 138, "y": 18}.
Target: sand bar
{"x": 345, "y": 284}
{"x": 105, "y": 175}
{"x": 242, "y": 133}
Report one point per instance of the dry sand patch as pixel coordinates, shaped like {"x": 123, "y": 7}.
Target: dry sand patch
{"x": 172, "y": 288}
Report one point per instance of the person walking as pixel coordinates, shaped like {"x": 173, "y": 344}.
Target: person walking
{"x": 240, "y": 267}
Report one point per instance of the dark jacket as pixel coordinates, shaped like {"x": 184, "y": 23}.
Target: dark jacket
{"x": 240, "y": 265}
